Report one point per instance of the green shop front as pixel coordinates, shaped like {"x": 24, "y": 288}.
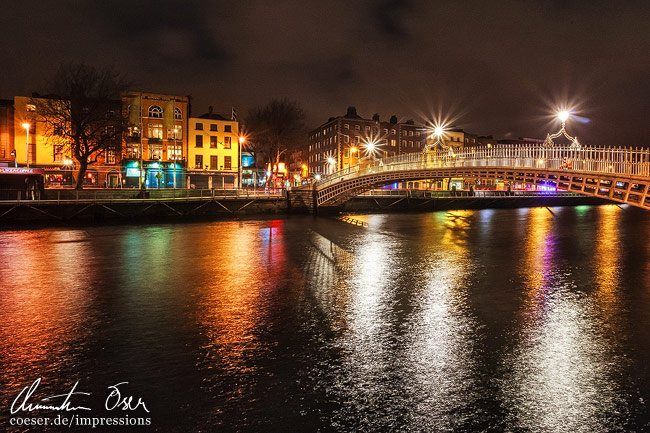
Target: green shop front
{"x": 155, "y": 174}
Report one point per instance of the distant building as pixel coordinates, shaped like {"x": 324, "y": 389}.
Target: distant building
{"x": 213, "y": 151}
{"x": 343, "y": 141}
{"x": 156, "y": 138}
{"x": 7, "y": 131}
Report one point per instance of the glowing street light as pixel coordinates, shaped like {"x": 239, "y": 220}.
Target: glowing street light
{"x": 242, "y": 139}
{"x": 439, "y": 131}
{"x": 563, "y": 115}
{"x": 27, "y": 126}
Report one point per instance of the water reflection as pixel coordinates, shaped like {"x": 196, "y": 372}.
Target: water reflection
{"x": 443, "y": 331}
{"x": 44, "y": 322}
{"x": 561, "y": 374}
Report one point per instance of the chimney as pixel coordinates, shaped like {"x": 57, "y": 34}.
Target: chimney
{"x": 393, "y": 119}
{"x": 352, "y": 112}
{"x": 375, "y": 117}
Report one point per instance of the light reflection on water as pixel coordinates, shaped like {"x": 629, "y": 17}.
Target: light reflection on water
{"x": 515, "y": 320}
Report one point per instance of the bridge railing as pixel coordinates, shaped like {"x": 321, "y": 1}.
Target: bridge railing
{"x": 590, "y": 160}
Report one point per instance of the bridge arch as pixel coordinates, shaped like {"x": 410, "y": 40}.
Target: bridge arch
{"x": 621, "y": 175}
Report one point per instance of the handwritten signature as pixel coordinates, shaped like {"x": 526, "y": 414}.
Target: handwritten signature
{"x": 114, "y": 400}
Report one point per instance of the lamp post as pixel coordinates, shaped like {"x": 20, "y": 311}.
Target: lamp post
{"x": 563, "y": 116}
{"x": 241, "y": 141}
{"x": 27, "y": 126}
{"x": 175, "y": 159}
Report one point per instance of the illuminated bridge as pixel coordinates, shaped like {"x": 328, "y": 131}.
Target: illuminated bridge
{"x": 617, "y": 174}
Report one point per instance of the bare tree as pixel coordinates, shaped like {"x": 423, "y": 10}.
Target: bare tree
{"x": 82, "y": 114}
{"x": 275, "y": 128}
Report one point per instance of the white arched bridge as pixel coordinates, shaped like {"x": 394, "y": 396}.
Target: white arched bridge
{"x": 618, "y": 174}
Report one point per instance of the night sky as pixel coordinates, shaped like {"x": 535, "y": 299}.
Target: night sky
{"x": 491, "y": 67}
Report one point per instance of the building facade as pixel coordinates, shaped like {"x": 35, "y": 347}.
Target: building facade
{"x": 155, "y": 146}
{"x": 348, "y": 140}
{"x": 213, "y": 152}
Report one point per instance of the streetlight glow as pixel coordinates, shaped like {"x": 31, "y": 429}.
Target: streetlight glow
{"x": 563, "y": 115}
{"x": 331, "y": 161}
{"x": 438, "y": 131}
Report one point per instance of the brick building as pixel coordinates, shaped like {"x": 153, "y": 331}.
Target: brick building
{"x": 346, "y": 140}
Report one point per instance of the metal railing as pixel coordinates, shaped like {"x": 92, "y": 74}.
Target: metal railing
{"x": 595, "y": 160}
{"x": 96, "y": 194}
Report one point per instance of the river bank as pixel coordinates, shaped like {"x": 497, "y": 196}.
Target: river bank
{"x": 105, "y": 207}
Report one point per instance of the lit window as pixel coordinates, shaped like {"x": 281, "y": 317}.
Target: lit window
{"x": 392, "y": 131}
{"x": 226, "y": 142}
{"x": 357, "y": 127}
{"x": 31, "y": 108}
{"x": 155, "y": 130}
{"x": 214, "y": 162}
{"x": 155, "y": 111}
{"x": 198, "y": 161}
{"x": 227, "y": 162}
{"x": 346, "y": 125}
{"x": 213, "y": 144}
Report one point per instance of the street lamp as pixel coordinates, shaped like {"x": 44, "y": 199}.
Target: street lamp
{"x": 242, "y": 139}
{"x": 27, "y": 126}
{"x": 563, "y": 115}
{"x": 175, "y": 159}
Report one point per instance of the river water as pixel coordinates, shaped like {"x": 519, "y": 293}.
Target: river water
{"x": 493, "y": 320}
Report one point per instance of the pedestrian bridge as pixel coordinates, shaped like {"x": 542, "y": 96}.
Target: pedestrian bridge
{"x": 618, "y": 174}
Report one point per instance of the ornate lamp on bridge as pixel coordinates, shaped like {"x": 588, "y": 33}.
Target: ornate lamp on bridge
{"x": 438, "y": 145}
{"x": 563, "y": 116}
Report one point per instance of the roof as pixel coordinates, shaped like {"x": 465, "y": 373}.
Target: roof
{"x": 212, "y": 116}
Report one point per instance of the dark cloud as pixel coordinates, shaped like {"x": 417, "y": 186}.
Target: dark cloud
{"x": 495, "y": 67}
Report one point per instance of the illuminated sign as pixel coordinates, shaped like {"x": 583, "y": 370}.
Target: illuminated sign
{"x": 247, "y": 161}
{"x": 132, "y": 172}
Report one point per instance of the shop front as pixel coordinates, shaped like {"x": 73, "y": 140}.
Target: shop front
{"x": 155, "y": 174}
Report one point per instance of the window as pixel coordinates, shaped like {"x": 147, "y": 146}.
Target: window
{"x": 198, "y": 161}
{"x": 357, "y": 127}
{"x": 199, "y": 141}
{"x": 346, "y": 125}
{"x": 178, "y": 114}
{"x": 213, "y": 127}
{"x": 227, "y": 128}
{"x": 58, "y": 154}
{"x": 367, "y": 128}
{"x": 176, "y": 133}
{"x": 213, "y": 143}
{"x": 155, "y": 111}
{"x": 227, "y": 162}
{"x": 156, "y": 130}
{"x": 392, "y": 131}
{"x": 226, "y": 142}
{"x": 199, "y": 126}
{"x": 392, "y": 143}
{"x": 346, "y": 153}
{"x": 110, "y": 157}
{"x": 214, "y": 162}
{"x": 346, "y": 138}
{"x": 358, "y": 139}
{"x": 385, "y": 131}
{"x": 31, "y": 108}
{"x": 410, "y": 133}
{"x": 110, "y": 114}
